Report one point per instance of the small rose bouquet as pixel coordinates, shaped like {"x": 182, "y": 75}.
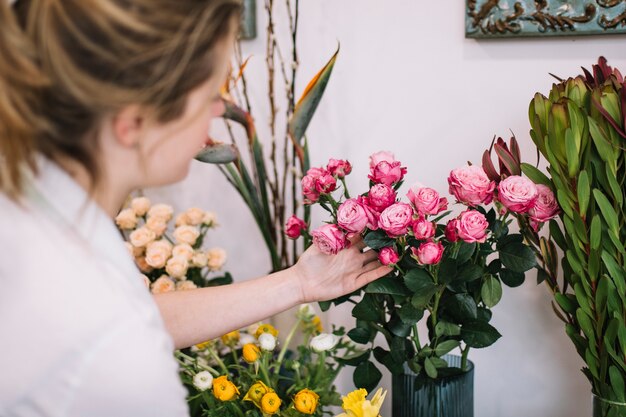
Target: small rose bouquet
{"x": 176, "y": 261}
{"x": 448, "y": 268}
{"x": 247, "y": 372}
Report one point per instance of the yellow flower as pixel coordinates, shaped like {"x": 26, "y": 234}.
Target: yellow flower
{"x": 231, "y": 338}
{"x": 256, "y": 392}
{"x": 356, "y": 405}
{"x": 266, "y": 328}
{"x": 251, "y": 352}
{"x": 270, "y": 403}
{"x": 204, "y": 345}
{"x": 305, "y": 401}
{"x": 223, "y": 389}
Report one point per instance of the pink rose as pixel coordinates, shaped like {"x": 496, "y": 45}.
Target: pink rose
{"x": 338, "y": 167}
{"x": 517, "y": 194}
{"x": 472, "y": 226}
{"x": 429, "y": 253}
{"x": 450, "y": 231}
{"x": 317, "y": 181}
{"x": 545, "y": 206}
{"x": 423, "y": 229}
{"x": 372, "y": 214}
{"x": 294, "y": 227}
{"x": 387, "y": 173}
{"x": 378, "y": 157}
{"x": 426, "y": 200}
{"x": 309, "y": 191}
{"x": 380, "y": 197}
{"x": 351, "y": 216}
{"x": 388, "y": 256}
{"x": 329, "y": 239}
{"x": 470, "y": 185}
{"x": 396, "y": 219}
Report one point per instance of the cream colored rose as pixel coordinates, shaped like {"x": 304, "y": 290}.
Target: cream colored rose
{"x": 158, "y": 252}
{"x": 186, "y": 234}
{"x": 126, "y": 219}
{"x": 216, "y": 258}
{"x": 146, "y": 280}
{"x": 140, "y": 205}
{"x": 181, "y": 220}
{"x": 209, "y": 219}
{"x": 157, "y": 224}
{"x": 177, "y": 267}
{"x": 185, "y": 285}
{"x": 142, "y": 264}
{"x": 195, "y": 216}
{"x": 183, "y": 250}
{"x": 163, "y": 284}
{"x": 199, "y": 259}
{"x": 141, "y": 237}
{"x": 163, "y": 211}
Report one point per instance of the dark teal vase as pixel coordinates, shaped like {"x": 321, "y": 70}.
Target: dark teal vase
{"x": 606, "y": 408}
{"x": 451, "y": 396}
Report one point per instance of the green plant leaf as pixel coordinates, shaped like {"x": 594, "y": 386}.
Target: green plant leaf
{"x": 378, "y": 239}
{"x": 608, "y": 212}
{"x": 596, "y": 232}
{"x": 557, "y": 235}
{"x": 470, "y": 273}
{"x": 535, "y": 175}
{"x": 355, "y": 358}
{"x": 307, "y": 105}
{"x": 389, "y": 284}
{"x": 571, "y": 152}
{"x": 410, "y": 314}
{"x": 398, "y": 327}
{"x": 366, "y": 309}
{"x": 383, "y": 356}
{"x": 466, "y": 250}
{"x": 517, "y": 257}
{"x": 584, "y": 191}
{"x": 491, "y": 291}
{"x": 445, "y": 347}
{"x": 444, "y": 328}
{"x": 617, "y": 383}
{"x": 366, "y": 376}
{"x": 614, "y": 186}
{"x": 511, "y": 278}
{"x": 360, "y": 335}
{"x": 479, "y": 334}
{"x": 568, "y": 304}
{"x": 461, "y": 307}
{"x": 430, "y": 369}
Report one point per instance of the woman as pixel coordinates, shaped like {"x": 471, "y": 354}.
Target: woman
{"x": 98, "y": 98}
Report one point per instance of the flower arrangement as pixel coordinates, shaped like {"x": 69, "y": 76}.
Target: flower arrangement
{"x": 448, "y": 269}
{"x": 579, "y": 130}
{"x": 176, "y": 261}
{"x": 246, "y": 372}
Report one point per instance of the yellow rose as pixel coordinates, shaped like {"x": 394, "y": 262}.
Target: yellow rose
{"x": 266, "y": 328}
{"x": 251, "y": 352}
{"x": 231, "y": 338}
{"x": 195, "y": 216}
{"x": 223, "y": 389}
{"x": 140, "y": 205}
{"x": 256, "y": 393}
{"x": 126, "y": 219}
{"x": 270, "y": 403}
{"x": 305, "y": 401}
{"x": 186, "y": 234}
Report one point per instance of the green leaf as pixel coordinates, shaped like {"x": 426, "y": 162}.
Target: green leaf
{"x": 535, "y": 175}
{"x": 418, "y": 278}
{"x": 491, "y": 291}
{"x": 447, "y": 271}
{"x": 366, "y": 376}
{"x": 383, "y": 356}
{"x": 571, "y": 152}
{"x": 360, "y": 335}
{"x": 596, "y": 232}
{"x": 564, "y": 202}
{"x": 444, "y": 328}
{"x": 431, "y": 370}
{"x": 445, "y": 347}
{"x": 617, "y": 383}
{"x": 566, "y": 303}
{"x": 479, "y": 334}
{"x": 398, "y": 327}
{"x": 584, "y": 321}
{"x": 511, "y": 278}
{"x": 461, "y": 307}
{"x": 608, "y": 212}
{"x": 410, "y": 314}
{"x": 517, "y": 257}
{"x": 466, "y": 250}
{"x": 584, "y": 191}
{"x": 614, "y": 186}
{"x": 366, "y": 309}
{"x": 355, "y": 358}
{"x": 470, "y": 273}
{"x": 390, "y": 284}
{"x": 306, "y": 106}
{"x": 557, "y": 235}
{"x": 378, "y": 239}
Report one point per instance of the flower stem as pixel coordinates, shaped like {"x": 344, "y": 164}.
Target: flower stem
{"x": 283, "y": 351}
{"x": 464, "y": 353}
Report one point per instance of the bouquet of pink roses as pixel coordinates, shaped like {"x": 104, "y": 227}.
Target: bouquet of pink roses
{"x": 448, "y": 269}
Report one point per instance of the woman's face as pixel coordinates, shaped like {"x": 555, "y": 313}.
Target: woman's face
{"x": 169, "y": 148}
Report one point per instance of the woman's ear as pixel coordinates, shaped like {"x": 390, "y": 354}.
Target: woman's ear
{"x": 127, "y": 126}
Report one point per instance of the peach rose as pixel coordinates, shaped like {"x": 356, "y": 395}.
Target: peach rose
{"x": 163, "y": 211}
{"x": 158, "y": 252}
{"x": 177, "y": 267}
{"x": 186, "y": 234}
{"x": 184, "y": 250}
{"x": 216, "y": 258}
{"x": 140, "y": 205}
{"x": 185, "y": 285}
{"x": 141, "y": 237}
{"x": 163, "y": 284}
{"x": 143, "y": 266}
{"x": 195, "y": 216}
{"x": 157, "y": 225}
{"x": 182, "y": 220}
{"x": 199, "y": 259}
{"x": 209, "y": 219}
{"x": 126, "y": 219}
{"x": 146, "y": 280}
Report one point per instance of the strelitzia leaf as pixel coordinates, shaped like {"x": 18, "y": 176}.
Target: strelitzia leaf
{"x": 306, "y": 106}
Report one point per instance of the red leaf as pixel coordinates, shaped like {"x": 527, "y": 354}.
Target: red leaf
{"x": 488, "y": 167}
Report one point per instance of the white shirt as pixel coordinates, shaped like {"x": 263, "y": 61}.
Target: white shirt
{"x": 80, "y": 334}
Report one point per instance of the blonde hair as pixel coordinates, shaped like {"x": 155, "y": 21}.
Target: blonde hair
{"x": 65, "y": 64}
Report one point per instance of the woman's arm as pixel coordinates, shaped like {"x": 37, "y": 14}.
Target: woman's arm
{"x": 198, "y": 315}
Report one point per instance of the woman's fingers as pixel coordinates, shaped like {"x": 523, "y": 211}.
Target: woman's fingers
{"x": 374, "y": 270}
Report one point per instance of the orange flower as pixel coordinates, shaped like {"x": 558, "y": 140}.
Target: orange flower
{"x": 223, "y": 389}
{"x": 251, "y": 352}
{"x": 305, "y": 401}
{"x": 266, "y": 328}
{"x": 270, "y": 403}
{"x": 256, "y": 393}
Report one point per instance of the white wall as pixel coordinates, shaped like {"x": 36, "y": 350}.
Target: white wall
{"x": 408, "y": 81}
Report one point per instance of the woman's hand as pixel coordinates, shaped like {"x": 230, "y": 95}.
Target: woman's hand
{"x": 324, "y": 277}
